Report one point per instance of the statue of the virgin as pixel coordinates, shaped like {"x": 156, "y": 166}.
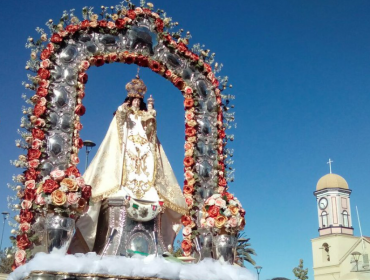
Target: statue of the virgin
{"x": 131, "y": 165}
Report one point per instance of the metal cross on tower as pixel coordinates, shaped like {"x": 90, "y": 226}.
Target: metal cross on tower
{"x": 330, "y": 162}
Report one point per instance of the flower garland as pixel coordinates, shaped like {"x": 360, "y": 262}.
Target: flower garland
{"x": 64, "y": 191}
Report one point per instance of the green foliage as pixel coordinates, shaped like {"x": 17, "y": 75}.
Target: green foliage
{"x": 244, "y": 251}
{"x": 5, "y": 263}
{"x": 299, "y": 272}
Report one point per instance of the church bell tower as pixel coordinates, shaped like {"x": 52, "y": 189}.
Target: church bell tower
{"x": 333, "y": 205}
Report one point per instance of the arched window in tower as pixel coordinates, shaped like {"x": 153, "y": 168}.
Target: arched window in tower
{"x": 324, "y": 219}
{"x": 325, "y": 252}
{"x": 345, "y": 219}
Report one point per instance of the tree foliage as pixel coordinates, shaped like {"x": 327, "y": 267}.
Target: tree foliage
{"x": 299, "y": 272}
{"x": 5, "y": 262}
{"x": 244, "y": 251}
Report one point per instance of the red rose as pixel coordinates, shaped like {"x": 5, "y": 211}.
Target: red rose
{"x": 86, "y": 192}
{"x": 50, "y": 185}
{"x": 147, "y": 11}
{"x": 103, "y": 23}
{"x": 221, "y": 134}
{"x": 159, "y": 25}
{"x": 213, "y": 211}
{"x": 155, "y": 66}
{"x": 29, "y": 194}
{"x": 190, "y": 131}
{"x": 56, "y": 38}
{"x": 186, "y": 245}
{"x": 85, "y": 24}
{"x": 73, "y": 171}
{"x": 72, "y": 28}
{"x": 221, "y": 166}
{"x": 188, "y": 103}
{"x": 42, "y": 92}
{"x": 129, "y": 59}
{"x": 38, "y": 134}
{"x": 99, "y": 60}
{"x": 186, "y": 220}
{"x": 79, "y": 143}
{"x": 168, "y": 38}
{"x": 215, "y": 82}
{"x": 188, "y": 189}
{"x": 179, "y": 83}
{"x": 50, "y": 47}
{"x": 120, "y": 23}
{"x": 33, "y": 154}
{"x": 39, "y": 110}
{"x": 43, "y": 73}
{"x": 142, "y": 60}
{"x": 82, "y": 78}
{"x": 45, "y": 54}
{"x": 131, "y": 14}
{"x": 194, "y": 57}
{"x": 80, "y": 110}
{"x": 25, "y": 216}
{"x": 219, "y": 117}
{"x": 207, "y": 67}
{"x": 23, "y": 242}
{"x": 242, "y": 212}
{"x": 228, "y": 195}
{"x": 31, "y": 174}
{"x": 188, "y": 161}
{"x": 182, "y": 47}
{"x": 222, "y": 182}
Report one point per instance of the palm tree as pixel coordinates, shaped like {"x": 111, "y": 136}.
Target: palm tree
{"x": 244, "y": 251}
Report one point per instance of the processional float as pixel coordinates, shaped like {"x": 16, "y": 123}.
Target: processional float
{"x": 52, "y": 192}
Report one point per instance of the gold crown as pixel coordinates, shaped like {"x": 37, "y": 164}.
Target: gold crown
{"x": 136, "y": 88}
{"x": 150, "y": 100}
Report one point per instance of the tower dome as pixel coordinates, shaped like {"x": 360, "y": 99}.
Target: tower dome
{"x": 331, "y": 181}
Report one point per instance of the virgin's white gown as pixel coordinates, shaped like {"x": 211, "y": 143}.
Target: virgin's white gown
{"x": 131, "y": 161}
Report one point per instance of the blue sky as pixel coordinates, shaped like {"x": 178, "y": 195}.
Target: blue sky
{"x": 300, "y": 73}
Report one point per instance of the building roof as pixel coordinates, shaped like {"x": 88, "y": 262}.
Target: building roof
{"x": 331, "y": 181}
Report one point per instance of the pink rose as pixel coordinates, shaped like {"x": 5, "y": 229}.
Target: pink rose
{"x": 155, "y": 15}
{"x": 93, "y": 24}
{"x": 188, "y": 146}
{"x": 210, "y": 222}
{"x": 186, "y": 231}
{"x": 30, "y": 184}
{"x": 20, "y": 256}
{"x": 189, "y": 200}
{"x": 63, "y": 33}
{"x": 40, "y": 122}
{"x": 36, "y": 144}
{"x": 85, "y": 64}
{"x": 74, "y": 159}
{"x": 40, "y": 200}
{"x": 233, "y": 222}
{"x": 111, "y": 25}
{"x": 34, "y": 163}
{"x": 57, "y": 175}
{"x": 42, "y": 101}
{"x": 24, "y": 227}
{"x": 45, "y": 63}
{"x": 44, "y": 83}
{"x": 26, "y": 204}
{"x": 138, "y": 11}
{"x": 189, "y": 175}
{"x": 73, "y": 198}
{"x": 80, "y": 181}
{"x": 189, "y": 116}
{"x": 220, "y": 202}
{"x": 210, "y": 201}
{"x": 188, "y": 90}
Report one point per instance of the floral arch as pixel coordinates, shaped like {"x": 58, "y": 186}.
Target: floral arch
{"x": 132, "y": 35}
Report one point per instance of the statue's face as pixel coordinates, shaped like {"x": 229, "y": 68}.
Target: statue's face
{"x": 150, "y": 106}
{"x": 136, "y": 103}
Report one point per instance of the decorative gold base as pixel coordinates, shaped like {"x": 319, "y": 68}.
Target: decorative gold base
{"x": 54, "y": 275}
